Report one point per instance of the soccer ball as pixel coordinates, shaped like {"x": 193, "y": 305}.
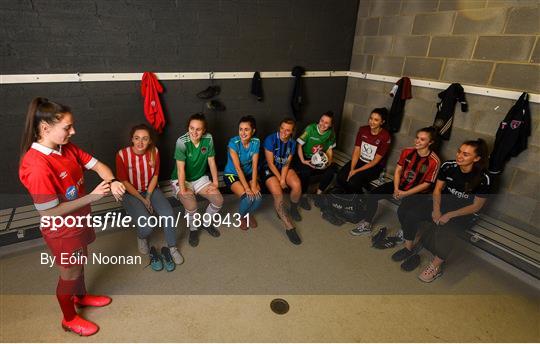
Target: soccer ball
{"x": 319, "y": 160}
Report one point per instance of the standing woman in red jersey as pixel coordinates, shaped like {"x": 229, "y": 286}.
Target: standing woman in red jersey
{"x": 52, "y": 170}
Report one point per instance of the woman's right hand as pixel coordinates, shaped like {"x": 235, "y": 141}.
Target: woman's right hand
{"x": 351, "y": 173}
{"x": 436, "y": 215}
{"x": 148, "y": 205}
{"x": 250, "y": 194}
{"x": 100, "y": 191}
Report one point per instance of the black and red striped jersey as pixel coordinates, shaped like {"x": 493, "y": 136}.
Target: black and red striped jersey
{"x": 417, "y": 169}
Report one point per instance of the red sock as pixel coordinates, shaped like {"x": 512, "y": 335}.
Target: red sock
{"x": 81, "y": 286}
{"x": 64, "y": 293}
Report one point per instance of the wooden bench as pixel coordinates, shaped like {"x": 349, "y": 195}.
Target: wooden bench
{"x": 507, "y": 242}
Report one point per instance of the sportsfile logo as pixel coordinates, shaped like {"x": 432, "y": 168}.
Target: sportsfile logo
{"x": 458, "y": 194}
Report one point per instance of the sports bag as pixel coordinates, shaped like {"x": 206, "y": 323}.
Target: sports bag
{"x": 343, "y": 205}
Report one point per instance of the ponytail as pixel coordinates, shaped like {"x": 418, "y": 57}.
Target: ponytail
{"x": 40, "y": 110}
{"x": 480, "y": 166}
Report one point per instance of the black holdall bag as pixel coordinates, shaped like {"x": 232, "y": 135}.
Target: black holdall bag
{"x": 343, "y": 205}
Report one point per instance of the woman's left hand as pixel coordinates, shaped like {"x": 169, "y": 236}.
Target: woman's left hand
{"x": 256, "y": 189}
{"x": 117, "y": 189}
{"x": 148, "y": 204}
{"x": 444, "y": 218}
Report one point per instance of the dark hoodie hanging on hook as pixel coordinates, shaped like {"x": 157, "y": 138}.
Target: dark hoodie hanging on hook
{"x": 512, "y": 136}
{"x": 447, "y": 107}
{"x": 256, "y": 86}
{"x": 297, "y": 99}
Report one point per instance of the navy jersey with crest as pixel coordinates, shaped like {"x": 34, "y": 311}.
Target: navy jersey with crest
{"x": 281, "y": 150}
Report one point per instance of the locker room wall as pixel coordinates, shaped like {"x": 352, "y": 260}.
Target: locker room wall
{"x": 490, "y": 43}
{"x": 43, "y": 36}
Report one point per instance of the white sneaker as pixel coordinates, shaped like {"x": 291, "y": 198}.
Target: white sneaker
{"x": 362, "y": 228}
{"x": 177, "y": 257}
{"x": 143, "y": 245}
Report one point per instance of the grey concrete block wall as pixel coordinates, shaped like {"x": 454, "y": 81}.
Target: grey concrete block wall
{"x": 447, "y": 39}
{"x": 467, "y": 72}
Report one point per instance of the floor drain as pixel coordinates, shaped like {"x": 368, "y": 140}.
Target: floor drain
{"x": 279, "y": 306}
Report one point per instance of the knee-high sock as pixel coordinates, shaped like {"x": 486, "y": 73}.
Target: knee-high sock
{"x": 256, "y": 203}
{"x": 211, "y": 209}
{"x": 81, "y": 286}
{"x": 191, "y": 218}
{"x": 245, "y": 205}
{"x": 64, "y": 293}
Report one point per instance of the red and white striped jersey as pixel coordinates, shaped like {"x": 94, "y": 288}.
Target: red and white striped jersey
{"x": 138, "y": 169}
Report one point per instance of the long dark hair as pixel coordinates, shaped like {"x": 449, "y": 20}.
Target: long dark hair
{"x": 480, "y": 166}
{"x": 152, "y": 145}
{"x": 40, "y": 110}
{"x": 383, "y": 112}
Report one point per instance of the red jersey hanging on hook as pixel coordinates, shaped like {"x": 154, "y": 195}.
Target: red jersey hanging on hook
{"x": 150, "y": 89}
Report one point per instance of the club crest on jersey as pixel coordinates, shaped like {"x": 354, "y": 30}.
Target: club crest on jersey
{"x": 63, "y": 175}
{"x": 203, "y": 150}
{"x": 316, "y": 148}
{"x": 515, "y": 124}
{"x": 71, "y": 193}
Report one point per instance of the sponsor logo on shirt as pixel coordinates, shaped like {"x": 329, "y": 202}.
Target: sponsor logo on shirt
{"x": 367, "y": 152}
{"x": 458, "y": 194}
{"x": 71, "y": 192}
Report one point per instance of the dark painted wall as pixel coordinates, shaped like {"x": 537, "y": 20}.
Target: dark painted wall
{"x": 135, "y": 36}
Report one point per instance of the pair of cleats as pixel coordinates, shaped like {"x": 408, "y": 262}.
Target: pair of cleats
{"x": 168, "y": 259}
{"x": 381, "y": 241}
{"x": 409, "y": 258}
{"x": 194, "y": 235}
{"x": 78, "y": 324}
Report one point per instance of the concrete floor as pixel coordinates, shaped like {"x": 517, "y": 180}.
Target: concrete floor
{"x": 338, "y": 287}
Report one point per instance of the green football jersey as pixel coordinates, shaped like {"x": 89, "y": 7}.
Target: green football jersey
{"x": 313, "y": 141}
{"x": 196, "y": 158}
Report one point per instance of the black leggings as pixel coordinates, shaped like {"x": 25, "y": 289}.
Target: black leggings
{"x": 440, "y": 240}
{"x": 305, "y": 173}
{"x": 359, "y": 180}
{"x": 408, "y": 205}
{"x": 412, "y": 212}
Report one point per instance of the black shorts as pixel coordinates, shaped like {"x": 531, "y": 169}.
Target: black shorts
{"x": 266, "y": 174}
{"x": 230, "y": 179}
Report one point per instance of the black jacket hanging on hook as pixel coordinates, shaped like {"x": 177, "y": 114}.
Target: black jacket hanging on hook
{"x": 512, "y": 135}
{"x": 401, "y": 92}
{"x": 297, "y": 99}
{"x": 256, "y": 86}
{"x": 447, "y": 107}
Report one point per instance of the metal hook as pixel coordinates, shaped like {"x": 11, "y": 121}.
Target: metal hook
{"x": 79, "y": 76}
{"x": 211, "y": 75}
